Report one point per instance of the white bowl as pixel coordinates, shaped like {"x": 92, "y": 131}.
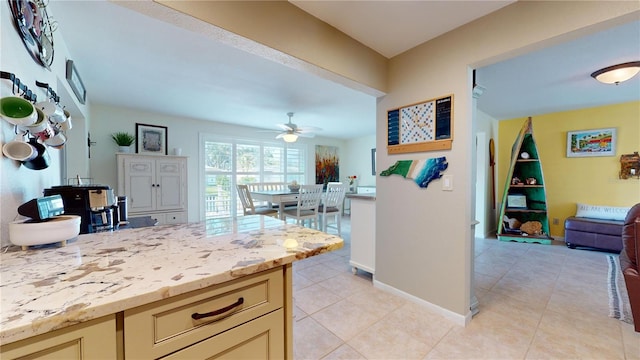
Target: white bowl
{"x": 57, "y": 229}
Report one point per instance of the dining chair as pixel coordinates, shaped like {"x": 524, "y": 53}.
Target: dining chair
{"x": 309, "y": 197}
{"x": 332, "y": 205}
{"x": 247, "y": 203}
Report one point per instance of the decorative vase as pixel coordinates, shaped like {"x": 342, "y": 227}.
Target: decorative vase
{"x": 124, "y": 149}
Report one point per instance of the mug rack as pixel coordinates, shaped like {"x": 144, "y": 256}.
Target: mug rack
{"x": 20, "y": 86}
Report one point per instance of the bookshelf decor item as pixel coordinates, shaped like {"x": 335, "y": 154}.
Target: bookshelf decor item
{"x": 523, "y": 211}
{"x": 424, "y": 126}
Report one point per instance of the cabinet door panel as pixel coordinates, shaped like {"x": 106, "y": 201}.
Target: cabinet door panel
{"x": 170, "y": 179}
{"x": 95, "y": 339}
{"x": 262, "y": 338}
{"x": 139, "y": 184}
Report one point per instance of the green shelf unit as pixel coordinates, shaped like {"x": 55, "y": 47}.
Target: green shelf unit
{"x": 531, "y": 195}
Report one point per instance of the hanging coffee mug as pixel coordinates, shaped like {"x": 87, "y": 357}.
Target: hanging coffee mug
{"x": 42, "y": 129}
{"x": 41, "y": 161}
{"x": 18, "y": 149}
{"x": 17, "y": 110}
{"x": 57, "y": 141}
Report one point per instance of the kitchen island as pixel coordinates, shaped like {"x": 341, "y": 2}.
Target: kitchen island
{"x": 141, "y": 289}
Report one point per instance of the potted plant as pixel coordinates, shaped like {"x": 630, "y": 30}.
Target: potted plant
{"x": 124, "y": 140}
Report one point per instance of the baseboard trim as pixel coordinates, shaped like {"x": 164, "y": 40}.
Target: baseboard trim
{"x": 462, "y": 320}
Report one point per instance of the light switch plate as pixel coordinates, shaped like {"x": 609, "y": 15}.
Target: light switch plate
{"x": 447, "y": 182}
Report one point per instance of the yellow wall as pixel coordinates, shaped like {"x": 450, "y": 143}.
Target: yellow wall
{"x": 590, "y": 180}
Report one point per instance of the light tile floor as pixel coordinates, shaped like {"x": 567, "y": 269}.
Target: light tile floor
{"x": 536, "y": 302}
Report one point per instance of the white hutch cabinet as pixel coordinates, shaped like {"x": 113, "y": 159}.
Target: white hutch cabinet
{"x": 155, "y": 186}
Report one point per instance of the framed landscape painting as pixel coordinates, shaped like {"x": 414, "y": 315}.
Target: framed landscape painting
{"x": 151, "y": 139}
{"x": 596, "y": 142}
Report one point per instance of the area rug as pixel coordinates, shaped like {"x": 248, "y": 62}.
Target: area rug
{"x": 619, "y": 307}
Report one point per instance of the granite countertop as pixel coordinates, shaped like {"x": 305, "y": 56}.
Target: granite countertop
{"x": 49, "y": 287}
{"x": 363, "y": 196}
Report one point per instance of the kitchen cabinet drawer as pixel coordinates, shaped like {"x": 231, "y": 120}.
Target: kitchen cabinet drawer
{"x": 175, "y": 218}
{"x": 262, "y": 338}
{"x": 165, "y": 326}
{"x": 95, "y": 339}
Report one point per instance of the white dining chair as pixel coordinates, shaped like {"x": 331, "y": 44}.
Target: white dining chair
{"x": 247, "y": 203}
{"x": 309, "y": 197}
{"x": 332, "y": 205}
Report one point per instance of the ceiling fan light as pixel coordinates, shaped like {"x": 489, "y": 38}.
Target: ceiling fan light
{"x": 290, "y": 138}
{"x": 617, "y": 73}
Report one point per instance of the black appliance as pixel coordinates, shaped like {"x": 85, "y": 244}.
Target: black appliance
{"x": 43, "y": 208}
{"x": 95, "y": 204}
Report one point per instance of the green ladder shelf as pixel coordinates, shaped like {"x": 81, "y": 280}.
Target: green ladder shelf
{"x": 524, "y": 201}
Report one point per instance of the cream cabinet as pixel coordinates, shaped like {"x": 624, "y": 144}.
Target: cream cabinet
{"x": 95, "y": 339}
{"x": 244, "y": 318}
{"x": 155, "y": 186}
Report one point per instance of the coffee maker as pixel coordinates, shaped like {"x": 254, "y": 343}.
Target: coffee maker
{"x": 95, "y": 204}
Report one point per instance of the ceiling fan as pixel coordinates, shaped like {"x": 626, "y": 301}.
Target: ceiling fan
{"x": 291, "y": 131}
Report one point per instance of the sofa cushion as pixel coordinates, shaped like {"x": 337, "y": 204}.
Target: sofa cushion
{"x": 598, "y": 226}
{"x": 601, "y": 212}
{"x": 628, "y": 235}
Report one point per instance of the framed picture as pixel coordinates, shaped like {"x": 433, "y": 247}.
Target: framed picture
{"x": 596, "y": 142}
{"x": 516, "y": 201}
{"x": 151, "y": 139}
{"x": 75, "y": 82}
{"x": 373, "y": 161}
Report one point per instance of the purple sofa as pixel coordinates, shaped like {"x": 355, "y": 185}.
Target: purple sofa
{"x": 593, "y": 233}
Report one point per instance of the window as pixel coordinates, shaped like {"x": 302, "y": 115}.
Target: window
{"x": 235, "y": 161}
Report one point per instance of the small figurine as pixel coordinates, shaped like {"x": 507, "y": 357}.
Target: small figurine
{"x": 516, "y": 181}
{"x": 531, "y": 181}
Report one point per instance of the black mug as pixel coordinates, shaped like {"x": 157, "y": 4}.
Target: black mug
{"x": 42, "y": 160}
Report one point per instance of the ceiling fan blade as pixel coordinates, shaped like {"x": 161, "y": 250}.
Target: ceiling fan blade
{"x": 305, "y": 134}
{"x": 280, "y": 136}
{"x": 285, "y": 127}
{"x": 308, "y": 129}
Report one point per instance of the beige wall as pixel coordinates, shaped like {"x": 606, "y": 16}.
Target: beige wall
{"x": 423, "y": 241}
{"x": 282, "y": 26}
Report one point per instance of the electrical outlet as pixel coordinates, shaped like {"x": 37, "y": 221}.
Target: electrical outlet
{"x": 556, "y": 221}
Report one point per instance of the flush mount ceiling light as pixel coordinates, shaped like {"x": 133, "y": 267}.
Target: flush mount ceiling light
{"x": 289, "y": 138}
{"x": 617, "y": 73}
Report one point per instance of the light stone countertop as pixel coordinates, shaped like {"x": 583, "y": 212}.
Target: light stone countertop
{"x": 363, "y": 196}
{"x": 50, "y": 287}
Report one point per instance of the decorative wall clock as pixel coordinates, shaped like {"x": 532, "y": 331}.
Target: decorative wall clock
{"x": 425, "y": 126}
{"x": 34, "y": 26}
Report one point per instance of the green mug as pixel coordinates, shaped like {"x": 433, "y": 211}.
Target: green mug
{"x": 18, "y": 111}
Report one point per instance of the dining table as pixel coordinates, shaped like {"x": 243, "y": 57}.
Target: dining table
{"x": 280, "y": 197}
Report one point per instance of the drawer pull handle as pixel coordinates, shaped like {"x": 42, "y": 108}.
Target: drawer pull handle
{"x": 196, "y": 316}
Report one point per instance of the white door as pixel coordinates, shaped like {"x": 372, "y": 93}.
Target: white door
{"x": 140, "y": 184}
{"x": 170, "y": 184}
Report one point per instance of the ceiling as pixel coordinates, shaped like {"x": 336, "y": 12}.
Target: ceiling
{"x": 128, "y": 59}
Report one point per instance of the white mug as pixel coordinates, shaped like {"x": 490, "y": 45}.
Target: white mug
{"x": 177, "y": 151}
{"x": 57, "y": 141}
{"x": 18, "y": 149}
{"x": 52, "y": 110}
{"x": 65, "y": 125}
{"x": 41, "y": 129}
